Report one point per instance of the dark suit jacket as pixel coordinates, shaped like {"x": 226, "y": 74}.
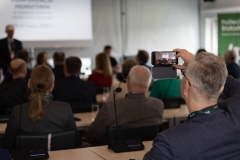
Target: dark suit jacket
{"x": 57, "y": 117}
{"x": 8, "y": 77}
{"x": 5, "y": 54}
{"x": 234, "y": 70}
{"x": 135, "y": 110}
{"x": 58, "y": 72}
{"x": 12, "y": 94}
{"x": 74, "y": 91}
{"x": 205, "y": 136}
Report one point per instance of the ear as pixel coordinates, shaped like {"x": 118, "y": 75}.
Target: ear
{"x": 186, "y": 89}
{"x": 29, "y": 84}
{"x": 51, "y": 89}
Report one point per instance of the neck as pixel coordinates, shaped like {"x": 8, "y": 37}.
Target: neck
{"x": 67, "y": 75}
{"x": 137, "y": 89}
{"x": 194, "y": 105}
{"x": 18, "y": 76}
{"x": 9, "y": 37}
{"x": 58, "y": 63}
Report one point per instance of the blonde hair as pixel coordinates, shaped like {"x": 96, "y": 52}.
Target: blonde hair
{"x": 41, "y": 81}
{"x": 103, "y": 64}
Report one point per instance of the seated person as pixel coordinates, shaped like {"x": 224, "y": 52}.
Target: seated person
{"x": 72, "y": 89}
{"x": 142, "y": 58}
{"x": 42, "y": 59}
{"x": 166, "y": 88}
{"x": 102, "y": 76}
{"x": 41, "y": 115}
{"x": 21, "y": 55}
{"x": 135, "y": 110}
{"x": 232, "y": 67}
{"x": 58, "y": 59}
{"x": 126, "y": 67}
{"x": 107, "y": 50}
{"x": 212, "y": 130}
{"x": 14, "y": 93}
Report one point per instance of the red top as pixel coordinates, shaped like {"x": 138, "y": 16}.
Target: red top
{"x": 100, "y": 80}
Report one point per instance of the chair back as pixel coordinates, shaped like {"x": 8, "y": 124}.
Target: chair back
{"x": 52, "y": 141}
{"x": 173, "y": 102}
{"x": 144, "y": 133}
{"x": 4, "y": 154}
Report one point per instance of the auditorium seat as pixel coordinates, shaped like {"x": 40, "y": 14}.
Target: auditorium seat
{"x": 59, "y": 141}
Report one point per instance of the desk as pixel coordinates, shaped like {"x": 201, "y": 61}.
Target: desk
{"x": 73, "y": 154}
{"x": 108, "y": 154}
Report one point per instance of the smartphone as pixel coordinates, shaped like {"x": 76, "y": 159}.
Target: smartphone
{"x": 38, "y": 153}
{"x": 164, "y": 58}
{"x": 162, "y": 62}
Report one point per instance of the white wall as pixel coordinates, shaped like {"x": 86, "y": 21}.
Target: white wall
{"x": 212, "y": 9}
{"x": 162, "y": 25}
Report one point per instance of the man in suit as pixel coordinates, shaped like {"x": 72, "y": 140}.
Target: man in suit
{"x": 58, "y": 59}
{"x": 8, "y": 48}
{"x": 72, "y": 89}
{"x": 14, "y": 93}
{"x": 22, "y": 54}
{"x": 212, "y": 130}
{"x": 135, "y": 110}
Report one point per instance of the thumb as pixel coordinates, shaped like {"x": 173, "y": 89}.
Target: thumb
{"x": 179, "y": 66}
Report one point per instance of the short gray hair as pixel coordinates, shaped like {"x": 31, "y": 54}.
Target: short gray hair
{"x": 140, "y": 76}
{"x": 207, "y": 74}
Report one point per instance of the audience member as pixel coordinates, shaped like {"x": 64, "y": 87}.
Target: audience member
{"x": 142, "y": 58}
{"x": 166, "y": 88}
{"x": 22, "y": 54}
{"x": 102, "y": 76}
{"x": 212, "y": 129}
{"x": 201, "y": 50}
{"x": 58, "y": 59}
{"x": 107, "y": 50}
{"x": 41, "y": 115}
{"x": 13, "y": 93}
{"x": 232, "y": 67}
{"x": 135, "y": 110}
{"x": 72, "y": 89}
{"x": 126, "y": 67}
{"x": 8, "y": 48}
{"x": 42, "y": 59}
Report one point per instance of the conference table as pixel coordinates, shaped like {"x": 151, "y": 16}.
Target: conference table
{"x": 86, "y": 118}
{"x": 98, "y": 153}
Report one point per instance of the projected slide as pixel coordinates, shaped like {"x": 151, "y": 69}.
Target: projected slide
{"x": 48, "y": 23}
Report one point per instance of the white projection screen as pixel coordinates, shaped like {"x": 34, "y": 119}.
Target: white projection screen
{"x": 48, "y": 23}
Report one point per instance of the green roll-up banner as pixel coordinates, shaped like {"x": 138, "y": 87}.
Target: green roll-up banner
{"x": 229, "y": 33}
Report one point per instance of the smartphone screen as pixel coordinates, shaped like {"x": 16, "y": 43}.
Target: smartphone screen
{"x": 164, "y": 58}
{"x": 133, "y": 143}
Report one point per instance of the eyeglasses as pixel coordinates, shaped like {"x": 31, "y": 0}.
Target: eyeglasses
{"x": 183, "y": 73}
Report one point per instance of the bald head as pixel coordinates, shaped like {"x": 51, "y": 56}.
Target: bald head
{"x": 58, "y": 58}
{"x": 139, "y": 79}
{"x": 18, "y": 68}
{"x": 10, "y": 31}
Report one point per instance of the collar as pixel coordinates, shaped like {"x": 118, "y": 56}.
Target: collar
{"x": 10, "y": 40}
{"x": 135, "y": 94}
{"x": 206, "y": 111}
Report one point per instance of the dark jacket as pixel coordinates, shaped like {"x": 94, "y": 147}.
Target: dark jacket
{"x": 205, "y": 136}
{"x": 58, "y": 72}
{"x": 135, "y": 110}
{"x": 5, "y": 54}
{"x": 12, "y": 94}
{"x": 74, "y": 91}
{"x": 57, "y": 117}
{"x": 233, "y": 70}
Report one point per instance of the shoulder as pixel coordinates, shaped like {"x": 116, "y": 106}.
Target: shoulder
{"x": 59, "y": 105}
{"x": 17, "y": 41}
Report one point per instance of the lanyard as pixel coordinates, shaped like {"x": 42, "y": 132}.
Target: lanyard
{"x": 208, "y": 110}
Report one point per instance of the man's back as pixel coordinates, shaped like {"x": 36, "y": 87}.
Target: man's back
{"x": 74, "y": 91}
{"x": 11, "y": 94}
{"x": 58, "y": 72}
{"x": 136, "y": 110}
{"x": 205, "y": 136}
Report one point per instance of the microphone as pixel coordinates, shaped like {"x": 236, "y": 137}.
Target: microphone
{"x": 117, "y": 90}
{"x": 123, "y": 145}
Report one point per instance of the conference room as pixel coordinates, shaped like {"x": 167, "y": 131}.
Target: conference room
{"x": 122, "y": 79}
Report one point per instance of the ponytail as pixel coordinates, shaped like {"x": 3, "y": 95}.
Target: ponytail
{"x": 35, "y": 110}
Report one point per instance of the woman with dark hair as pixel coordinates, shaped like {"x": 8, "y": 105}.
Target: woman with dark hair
{"x": 42, "y": 59}
{"x": 42, "y": 115}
